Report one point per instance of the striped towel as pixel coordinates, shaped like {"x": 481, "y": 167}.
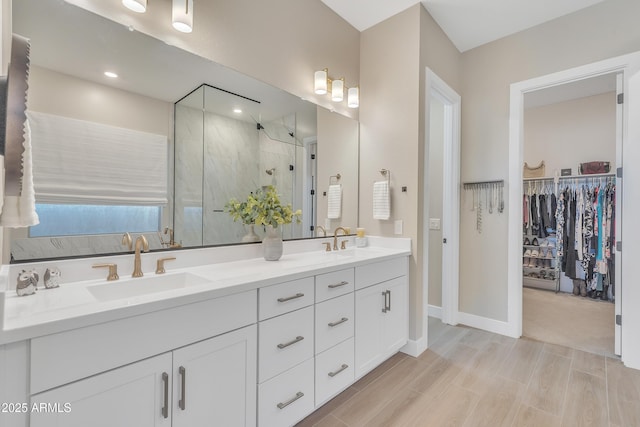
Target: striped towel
{"x": 334, "y": 202}
{"x": 381, "y": 200}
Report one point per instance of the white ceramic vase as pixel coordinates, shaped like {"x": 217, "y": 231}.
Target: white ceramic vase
{"x": 272, "y": 244}
{"x": 251, "y": 235}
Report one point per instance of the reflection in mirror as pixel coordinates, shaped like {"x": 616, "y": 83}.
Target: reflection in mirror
{"x": 246, "y": 146}
{"x": 70, "y": 50}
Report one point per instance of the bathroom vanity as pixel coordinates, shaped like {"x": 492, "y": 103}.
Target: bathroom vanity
{"x": 244, "y": 342}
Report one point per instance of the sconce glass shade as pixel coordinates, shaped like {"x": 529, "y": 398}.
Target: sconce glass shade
{"x": 337, "y": 90}
{"x": 139, "y": 6}
{"x": 353, "y": 97}
{"x": 320, "y": 82}
{"x": 182, "y": 15}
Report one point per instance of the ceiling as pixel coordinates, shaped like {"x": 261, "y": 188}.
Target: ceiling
{"x": 468, "y": 23}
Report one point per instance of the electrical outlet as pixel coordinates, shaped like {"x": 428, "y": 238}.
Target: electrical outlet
{"x": 327, "y": 224}
{"x": 434, "y": 223}
{"x": 397, "y": 226}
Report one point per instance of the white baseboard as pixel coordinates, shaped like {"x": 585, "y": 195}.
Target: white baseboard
{"x": 486, "y": 324}
{"x": 435, "y": 311}
{"x": 415, "y": 348}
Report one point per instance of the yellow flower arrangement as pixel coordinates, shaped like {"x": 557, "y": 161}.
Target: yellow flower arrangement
{"x": 263, "y": 207}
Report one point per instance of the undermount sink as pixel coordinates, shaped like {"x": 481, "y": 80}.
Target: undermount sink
{"x": 135, "y": 287}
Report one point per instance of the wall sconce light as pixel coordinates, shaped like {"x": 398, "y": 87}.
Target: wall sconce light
{"x": 182, "y": 15}
{"x": 337, "y": 90}
{"x": 321, "y": 81}
{"x": 322, "y": 85}
{"x": 139, "y": 6}
{"x": 353, "y": 97}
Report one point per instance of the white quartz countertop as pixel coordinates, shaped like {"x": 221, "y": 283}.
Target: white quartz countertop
{"x": 76, "y": 305}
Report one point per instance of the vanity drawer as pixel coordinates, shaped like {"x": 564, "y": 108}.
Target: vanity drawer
{"x": 284, "y": 341}
{"x": 334, "y": 371}
{"x": 287, "y": 398}
{"x": 334, "y": 284}
{"x": 285, "y": 297}
{"x": 370, "y": 274}
{"x": 334, "y": 321}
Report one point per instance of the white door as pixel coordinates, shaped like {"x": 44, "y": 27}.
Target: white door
{"x": 215, "y": 381}
{"x": 134, "y": 395}
{"x": 368, "y": 333}
{"x": 618, "y": 259}
{"x": 395, "y": 318}
{"x": 448, "y": 237}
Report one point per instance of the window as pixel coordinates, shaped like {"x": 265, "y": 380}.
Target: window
{"x": 73, "y": 220}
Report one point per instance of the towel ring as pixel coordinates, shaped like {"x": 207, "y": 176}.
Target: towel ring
{"x": 337, "y": 178}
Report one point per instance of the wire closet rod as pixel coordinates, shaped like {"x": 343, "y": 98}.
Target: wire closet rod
{"x": 476, "y": 184}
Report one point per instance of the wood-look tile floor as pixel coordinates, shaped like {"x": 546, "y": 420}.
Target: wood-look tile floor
{"x": 469, "y": 377}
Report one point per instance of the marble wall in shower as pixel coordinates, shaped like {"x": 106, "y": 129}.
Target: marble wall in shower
{"x": 231, "y": 168}
{"x": 219, "y": 158}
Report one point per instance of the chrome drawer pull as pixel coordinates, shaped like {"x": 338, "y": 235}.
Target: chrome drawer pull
{"x": 297, "y": 339}
{"x": 337, "y": 285}
{"x": 290, "y": 401}
{"x": 165, "y": 403}
{"x": 332, "y": 324}
{"x": 183, "y": 377}
{"x": 290, "y": 298}
{"x": 384, "y": 295}
{"x": 342, "y": 368}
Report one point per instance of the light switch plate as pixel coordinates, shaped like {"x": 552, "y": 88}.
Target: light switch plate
{"x": 397, "y": 226}
{"x": 434, "y": 223}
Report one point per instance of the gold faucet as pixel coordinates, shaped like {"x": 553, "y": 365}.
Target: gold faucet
{"x": 324, "y": 231}
{"x": 141, "y": 244}
{"x": 335, "y": 237}
{"x": 127, "y": 240}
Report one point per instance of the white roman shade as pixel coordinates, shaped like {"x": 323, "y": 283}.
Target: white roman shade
{"x": 81, "y": 162}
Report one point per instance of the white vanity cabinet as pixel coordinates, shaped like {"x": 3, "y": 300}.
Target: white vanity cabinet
{"x": 286, "y": 344}
{"x": 157, "y": 369}
{"x": 381, "y": 312}
{"x": 136, "y": 395}
{"x": 210, "y": 380}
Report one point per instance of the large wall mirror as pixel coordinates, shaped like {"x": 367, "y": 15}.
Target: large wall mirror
{"x": 215, "y": 134}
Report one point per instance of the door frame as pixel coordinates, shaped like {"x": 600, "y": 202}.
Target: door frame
{"x": 621, "y": 64}
{"x": 436, "y": 87}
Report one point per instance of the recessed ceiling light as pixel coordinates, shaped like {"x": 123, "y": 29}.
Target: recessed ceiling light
{"x": 110, "y": 74}
{"x": 237, "y": 110}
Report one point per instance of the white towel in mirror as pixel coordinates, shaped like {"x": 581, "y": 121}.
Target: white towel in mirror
{"x": 334, "y": 201}
{"x": 381, "y": 200}
{"x": 20, "y": 211}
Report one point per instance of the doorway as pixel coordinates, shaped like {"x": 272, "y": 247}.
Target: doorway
{"x": 568, "y": 295}
{"x": 441, "y": 202}
{"x": 629, "y": 66}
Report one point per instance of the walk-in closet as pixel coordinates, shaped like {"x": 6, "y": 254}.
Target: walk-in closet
{"x": 569, "y": 205}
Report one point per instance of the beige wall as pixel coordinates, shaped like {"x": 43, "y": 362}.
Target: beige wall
{"x": 63, "y": 95}
{"x": 571, "y": 132}
{"x": 281, "y": 42}
{"x": 393, "y": 57}
{"x": 338, "y": 141}
{"x": 605, "y": 30}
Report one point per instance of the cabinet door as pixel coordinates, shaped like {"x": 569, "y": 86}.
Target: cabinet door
{"x": 215, "y": 381}
{"x": 368, "y": 332}
{"x": 396, "y": 318}
{"x": 134, "y": 395}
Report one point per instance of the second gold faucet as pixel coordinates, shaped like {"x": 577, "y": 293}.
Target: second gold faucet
{"x": 140, "y": 245}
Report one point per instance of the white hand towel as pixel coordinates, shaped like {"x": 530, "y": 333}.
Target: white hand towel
{"x": 381, "y": 200}
{"x": 334, "y": 201}
{"x": 20, "y": 211}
